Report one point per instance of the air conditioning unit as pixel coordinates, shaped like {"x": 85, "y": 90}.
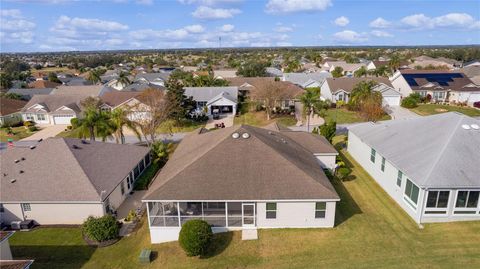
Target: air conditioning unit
{"x": 15, "y": 225}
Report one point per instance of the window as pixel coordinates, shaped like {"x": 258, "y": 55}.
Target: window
{"x": 41, "y": 117}
{"x": 201, "y": 104}
{"x": 438, "y": 95}
{"x": 383, "y": 164}
{"x": 467, "y": 199}
{"x": 372, "y": 155}
{"x": 437, "y": 199}
{"x": 122, "y": 188}
{"x": 147, "y": 159}
{"x": 1, "y": 208}
{"x": 399, "y": 178}
{"x": 26, "y": 207}
{"x": 271, "y": 211}
{"x": 128, "y": 182}
{"x": 320, "y": 210}
{"x": 422, "y": 93}
{"x": 411, "y": 191}
{"x": 29, "y": 116}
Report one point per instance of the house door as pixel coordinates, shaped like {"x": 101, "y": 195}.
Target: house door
{"x": 248, "y": 213}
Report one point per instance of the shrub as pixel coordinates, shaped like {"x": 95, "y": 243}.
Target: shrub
{"x": 100, "y": 229}
{"x": 409, "y": 102}
{"x": 343, "y": 172}
{"x": 476, "y": 104}
{"x": 195, "y": 237}
{"x": 27, "y": 123}
{"x": 131, "y": 215}
{"x": 32, "y": 128}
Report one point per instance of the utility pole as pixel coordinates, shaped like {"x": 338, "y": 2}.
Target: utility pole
{"x": 219, "y": 42}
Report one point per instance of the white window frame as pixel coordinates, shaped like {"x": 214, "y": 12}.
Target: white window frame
{"x": 409, "y": 201}
{"x": 466, "y": 209}
{"x": 43, "y": 115}
{"x": 382, "y": 165}
{"x": 29, "y": 116}
{"x": 321, "y": 210}
{"x": 26, "y": 207}
{"x": 436, "y": 209}
{"x": 271, "y": 210}
{"x": 399, "y": 178}
{"x": 373, "y": 155}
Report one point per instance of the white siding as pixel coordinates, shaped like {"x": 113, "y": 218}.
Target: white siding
{"x": 327, "y": 161}
{"x": 325, "y": 92}
{"x": 401, "y": 85}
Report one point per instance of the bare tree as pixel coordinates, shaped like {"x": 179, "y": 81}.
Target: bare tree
{"x": 270, "y": 93}
{"x": 150, "y": 112}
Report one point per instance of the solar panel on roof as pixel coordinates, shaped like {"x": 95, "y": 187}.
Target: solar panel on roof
{"x": 442, "y": 79}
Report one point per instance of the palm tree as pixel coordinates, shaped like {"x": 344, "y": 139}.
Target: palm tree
{"x": 361, "y": 72}
{"x": 94, "y": 76}
{"x": 394, "y": 63}
{"x": 118, "y": 120}
{"x": 123, "y": 79}
{"x": 94, "y": 123}
{"x": 310, "y": 100}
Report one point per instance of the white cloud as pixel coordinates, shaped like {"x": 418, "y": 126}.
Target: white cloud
{"x": 283, "y": 29}
{"x": 12, "y": 13}
{"x": 416, "y": 21}
{"x": 144, "y": 2}
{"x": 227, "y": 28}
{"x": 65, "y": 23}
{"x": 204, "y": 12}
{"x": 380, "y": 23}
{"x": 476, "y": 25}
{"x": 450, "y": 20}
{"x": 349, "y": 36}
{"x": 379, "y": 33}
{"x": 287, "y": 6}
{"x": 14, "y": 28}
{"x": 196, "y": 28}
{"x": 342, "y": 21}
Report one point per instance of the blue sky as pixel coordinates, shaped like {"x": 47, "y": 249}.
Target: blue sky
{"x": 63, "y": 25}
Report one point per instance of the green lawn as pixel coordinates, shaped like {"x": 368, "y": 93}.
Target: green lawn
{"x": 18, "y": 133}
{"x": 342, "y": 116}
{"x": 431, "y": 109}
{"x": 183, "y": 127}
{"x": 371, "y": 232}
{"x": 73, "y": 133}
{"x": 259, "y": 118}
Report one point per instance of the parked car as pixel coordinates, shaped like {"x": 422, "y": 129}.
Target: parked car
{"x": 216, "y": 114}
{"x": 476, "y": 104}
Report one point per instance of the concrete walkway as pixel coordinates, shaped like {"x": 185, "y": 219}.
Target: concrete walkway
{"x": 132, "y": 202}
{"x": 249, "y": 234}
{"x": 400, "y": 113}
{"x": 46, "y": 132}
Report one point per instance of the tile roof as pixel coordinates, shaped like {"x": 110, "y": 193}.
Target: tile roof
{"x": 81, "y": 171}
{"x": 9, "y": 106}
{"x": 266, "y": 166}
{"x": 433, "y": 151}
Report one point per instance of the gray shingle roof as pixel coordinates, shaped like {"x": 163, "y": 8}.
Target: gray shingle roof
{"x": 88, "y": 90}
{"x": 153, "y": 76}
{"x": 205, "y": 94}
{"x": 57, "y": 171}
{"x": 54, "y": 102}
{"x": 433, "y": 151}
{"x": 29, "y": 93}
{"x": 302, "y": 78}
{"x": 265, "y": 166}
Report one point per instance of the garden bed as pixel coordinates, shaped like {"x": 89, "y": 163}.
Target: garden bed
{"x": 146, "y": 177}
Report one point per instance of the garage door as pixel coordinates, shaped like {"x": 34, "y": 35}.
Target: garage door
{"x": 474, "y": 97}
{"x": 62, "y": 119}
{"x": 391, "y": 100}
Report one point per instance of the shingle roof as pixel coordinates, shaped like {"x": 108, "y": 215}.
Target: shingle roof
{"x": 302, "y": 78}
{"x": 347, "y": 84}
{"x": 9, "y": 106}
{"x": 266, "y": 166}
{"x": 54, "y": 102}
{"x": 152, "y": 76}
{"x": 138, "y": 87}
{"x": 29, "y": 93}
{"x": 205, "y": 94}
{"x": 41, "y": 84}
{"x": 116, "y": 98}
{"x": 433, "y": 151}
{"x": 87, "y": 90}
{"x": 386, "y": 90}
{"x": 56, "y": 170}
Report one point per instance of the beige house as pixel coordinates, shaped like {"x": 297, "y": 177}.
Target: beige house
{"x": 10, "y": 111}
{"x": 64, "y": 180}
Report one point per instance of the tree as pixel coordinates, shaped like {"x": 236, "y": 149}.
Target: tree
{"x": 269, "y": 93}
{"x": 161, "y": 152}
{"x": 5, "y": 81}
{"x": 101, "y": 228}
{"x": 312, "y": 104}
{"x": 123, "y": 79}
{"x": 119, "y": 120}
{"x": 327, "y": 130}
{"x": 179, "y": 104}
{"x": 94, "y": 76}
{"x": 91, "y": 102}
{"x": 394, "y": 63}
{"x": 364, "y": 99}
{"x": 14, "y": 96}
{"x": 156, "y": 108}
{"x": 195, "y": 237}
{"x": 337, "y": 72}
{"x": 361, "y": 72}
{"x": 52, "y": 77}
{"x": 360, "y": 93}
{"x": 253, "y": 69}
{"x": 94, "y": 123}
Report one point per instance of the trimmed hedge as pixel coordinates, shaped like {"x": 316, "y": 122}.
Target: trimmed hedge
{"x": 146, "y": 177}
{"x": 195, "y": 237}
{"x": 101, "y": 229}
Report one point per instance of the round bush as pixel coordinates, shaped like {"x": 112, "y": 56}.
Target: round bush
{"x": 195, "y": 237}
{"x": 409, "y": 102}
{"x": 101, "y": 229}
{"x": 343, "y": 172}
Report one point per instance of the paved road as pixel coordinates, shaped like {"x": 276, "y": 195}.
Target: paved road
{"x": 46, "y": 132}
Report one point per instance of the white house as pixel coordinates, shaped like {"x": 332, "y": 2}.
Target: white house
{"x": 158, "y": 79}
{"x": 132, "y": 102}
{"x": 65, "y": 180}
{"x": 10, "y": 111}
{"x": 212, "y": 98}
{"x": 439, "y": 85}
{"x": 339, "y": 89}
{"x": 428, "y": 165}
{"x": 306, "y": 80}
{"x": 242, "y": 178}
{"x": 53, "y": 109}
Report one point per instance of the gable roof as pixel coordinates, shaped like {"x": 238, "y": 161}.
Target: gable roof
{"x": 386, "y": 90}
{"x": 302, "y": 79}
{"x": 28, "y": 93}
{"x": 86, "y": 90}
{"x": 433, "y": 151}
{"x": 116, "y": 98}
{"x": 347, "y": 84}
{"x": 438, "y": 79}
{"x": 205, "y": 94}
{"x": 251, "y": 84}
{"x": 139, "y": 87}
{"x": 41, "y": 84}
{"x": 266, "y": 166}
{"x": 9, "y": 106}
{"x": 54, "y": 102}
{"x": 86, "y": 170}
{"x": 153, "y": 76}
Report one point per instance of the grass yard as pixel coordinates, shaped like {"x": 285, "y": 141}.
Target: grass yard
{"x": 431, "y": 109}
{"x": 371, "y": 232}
{"x": 259, "y": 118}
{"x": 73, "y": 133}
{"x": 18, "y": 133}
{"x": 342, "y": 116}
{"x": 184, "y": 127}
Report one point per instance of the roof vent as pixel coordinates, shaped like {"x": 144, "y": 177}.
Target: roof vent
{"x": 270, "y": 132}
{"x": 12, "y": 180}
{"x": 245, "y": 135}
{"x": 75, "y": 147}
{"x": 40, "y": 140}
{"x": 23, "y": 158}
{"x": 21, "y": 171}
{"x": 466, "y": 126}
{"x": 475, "y": 126}
{"x": 17, "y": 161}
{"x": 32, "y": 147}
{"x": 235, "y": 135}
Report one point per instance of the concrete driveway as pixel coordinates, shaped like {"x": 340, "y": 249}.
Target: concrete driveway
{"x": 46, "y": 132}
{"x": 227, "y": 120}
{"x": 400, "y": 113}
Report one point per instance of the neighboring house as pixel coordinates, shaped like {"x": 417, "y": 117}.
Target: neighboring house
{"x": 53, "y": 109}
{"x": 90, "y": 179}
{"x": 225, "y": 73}
{"x": 471, "y": 63}
{"x": 428, "y": 165}
{"x": 372, "y": 65}
{"x": 10, "y": 111}
{"x": 129, "y": 101}
{"x": 241, "y": 178}
{"x": 42, "y": 84}
{"x": 274, "y": 72}
{"x": 27, "y": 94}
{"x": 223, "y": 99}
{"x": 441, "y": 86}
{"x": 472, "y": 72}
{"x": 89, "y": 90}
{"x": 139, "y": 87}
{"x": 339, "y": 89}
{"x": 348, "y": 68}
{"x": 158, "y": 79}
{"x": 426, "y": 61}
{"x": 75, "y": 81}
{"x": 306, "y": 80}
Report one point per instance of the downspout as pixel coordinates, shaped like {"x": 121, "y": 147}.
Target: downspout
{"x": 422, "y": 208}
